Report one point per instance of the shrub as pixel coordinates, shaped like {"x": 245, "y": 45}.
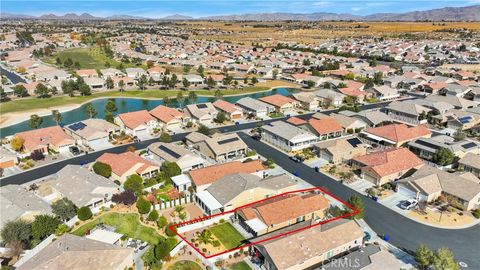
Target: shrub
{"x": 153, "y": 216}
{"x": 476, "y": 213}
{"x": 143, "y": 206}
{"x": 102, "y": 169}
{"x": 126, "y": 197}
{"x": 44, "y": 225}
{"x": 165, "y": 137}
{"x": 171, "y": 169}
{"x": 84, "y": 213}
{"x": 162, "y": 222}
{"x": 170, "y": 232}
{"x": 189, "y": 124}
{"x": 62, "y": 229}
{"x": 134, "y": 183}
{"x": 37, "y": 155}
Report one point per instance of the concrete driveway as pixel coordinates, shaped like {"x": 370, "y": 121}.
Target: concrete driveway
{"x": 393, "y": 202}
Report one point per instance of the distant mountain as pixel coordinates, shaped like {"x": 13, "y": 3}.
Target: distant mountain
{"x": 470, "y": 13}
{"x": 177, "y": 17}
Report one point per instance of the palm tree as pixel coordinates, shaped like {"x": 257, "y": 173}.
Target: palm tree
{"x": 57, "y": 116}
{"x": 91, "y": 111}
{"x": 205, "y": 237}
{"x": 192, "y": 96}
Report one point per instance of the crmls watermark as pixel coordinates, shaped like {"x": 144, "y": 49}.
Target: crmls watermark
{"x": 345, "y": 263}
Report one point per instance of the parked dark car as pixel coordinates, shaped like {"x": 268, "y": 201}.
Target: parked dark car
{"x": 257, "y": 136}
{"x": 297, "y": 159}
{"x": 74, "y": 150}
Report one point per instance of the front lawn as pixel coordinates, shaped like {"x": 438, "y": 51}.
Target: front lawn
{"x": 127, "y": 224}
{"x": 227, "y": 235}
{"x": 240, "y": 266}
{"x": 185, "y": 265}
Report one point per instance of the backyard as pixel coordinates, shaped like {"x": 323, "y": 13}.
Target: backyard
{"x": 125, "y": 223}
{"x": 240, "y": 266}
{"x": 185, "y": 265}
{"x": 227, "y": 235}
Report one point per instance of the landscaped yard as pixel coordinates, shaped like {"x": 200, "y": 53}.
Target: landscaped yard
{"x": 33, "y": 103}
{"x": 185, "y": 265}
{"x": 127, "y": 224}
{"x": 227, "y": 235}
{"x": 240, "y": 266}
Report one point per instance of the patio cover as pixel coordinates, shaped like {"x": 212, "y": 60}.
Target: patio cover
{"x": 256, "y": 224}
{"x": 105, "y": 236}
{"x": 181, "y": 179}
{"x": 209, "y": 200}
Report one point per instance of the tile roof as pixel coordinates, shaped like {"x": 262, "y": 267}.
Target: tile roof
{"x": 134, "y": 119}
{"x": 325, "y": 126}
{"x": 166, "y": 114}
{"x": 123, "y": 162}
{"x": 387, "y": 162}
{"x": 213, "y": 173}
{"x": 277, "y": 100}
{"x": 399, "y": 132}
{"x": 296, "y": 121}
{"x": 225, "y": 106}
{"x": 43, "y": 137}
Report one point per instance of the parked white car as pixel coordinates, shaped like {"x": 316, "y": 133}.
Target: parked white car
{"x": 409, "y": 204}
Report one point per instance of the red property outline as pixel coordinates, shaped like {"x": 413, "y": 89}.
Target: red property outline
{"x": 174, "y": 227}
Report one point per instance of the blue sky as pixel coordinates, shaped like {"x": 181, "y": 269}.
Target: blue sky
{"x": 198, "y": 8}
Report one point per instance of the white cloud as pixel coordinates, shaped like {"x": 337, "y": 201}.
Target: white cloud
{"x": 322, "y": 4}
{"x": 357, "y": 8}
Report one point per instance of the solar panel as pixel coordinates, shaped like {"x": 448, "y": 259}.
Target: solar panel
{"x": 354, "y": 142}
{"x": 469, "y": 145}
{"x": 427, "y": 144}
{"x": 228, "y": 140}
{"x": 77, "y": 126}
{"x": 169, "y": 151}
{"x": 202, "y": 106}
{"x": 465, "y": 119}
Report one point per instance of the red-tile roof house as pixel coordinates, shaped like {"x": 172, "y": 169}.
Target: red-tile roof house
{"x": 125, "y": 164}
{"x": 283, "y": 211}
{"x": 169, "y": 117}
{"x": 231, "y": 111}
{"x": 281, "y": 103}
{"x": 296, "y": 121}
{"x": 45, "y": 138}
{"x": 137, "y": 123}
{"x": 326, "y": 128}
{"x": 388, "y": 165}
{"x": 87, "y": 73}
{"x": 204, "y": 177}
{"x": 395, "y": 134}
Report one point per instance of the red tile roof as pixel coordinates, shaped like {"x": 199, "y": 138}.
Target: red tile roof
{"x": 134, "y": 119}
{"x": 211, "y": 174}
{"x": 325, "y": 126}
{"x": 123, "y": 162}
{"x": 166, "y": 114}
{"x": 296, "y": 121}
{"x": 399, "y": 132}
{"x": 225, "y": 106}
{"x": 390, "y": 161}
{"x": 40, "y": 138}
{"x": 277, "y": 100}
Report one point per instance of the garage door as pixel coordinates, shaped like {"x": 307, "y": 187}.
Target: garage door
{"x": 98, "y": 143}
{"x": 142, "y": 133}
{"x": 402, "y": 190}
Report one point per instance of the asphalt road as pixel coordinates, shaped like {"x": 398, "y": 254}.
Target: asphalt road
{"x": 404, "y": 232}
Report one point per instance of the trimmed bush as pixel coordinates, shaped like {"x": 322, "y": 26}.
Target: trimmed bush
{"x": 143, "y": 206}
{"x": 84, "y": 213}
{"x": 102, "y": 169}
{"x": 153, "y": 216}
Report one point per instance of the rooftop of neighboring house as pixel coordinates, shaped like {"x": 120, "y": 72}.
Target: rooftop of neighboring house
{"x": 429, "y": 180}
{"x": 42, "y": 137}
{"x": 296, "y": 121}
{"x": 86, "y": 72}
{"x": 295, "y": 248}
{"x": 391, "y": 161}
{"x": 122, "y": 163}
{"x": 199, "y": 110}
{"x": 305, "y": 97}
{"x": 231, "y": 185}
{"x": 407, "y": 107}
{"x": 471, "y": 160}
{"x": 170, "y": 152}
{"x": 225, "y": 106}
{"x": 325, "y": 125}
{"x": 288, "y": 131}
{"x": 211, "y": 174}
{"x": 166, "y": 114}
{"x": 73, "y": 252}
{"x": 78, "y": 184}
{"x": 16, "y": 201}
{"x": 399, "y": 132}
{"x": 225, "y": 143}
{"x": 435, "y": 143}
{"x": 284, "y": 208}
{"x": 253, "y": 104}
{"x": 341, "y": 145}
{"x": 277, "y": 100}
{"x": 134, "y": 119}
{"x": 92, "y": 128}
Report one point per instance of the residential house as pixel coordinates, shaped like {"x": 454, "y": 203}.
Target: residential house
{"x": 427, "y": 147}
{"x": 329, "y": 97}
{"x": 169, "y": 118}
{"x": 203, "y": 113}
{"x": 230, "y": 110}
{"x": 235, "y": 190}
{"x": 125, "y": 164}
{"x": 407, "y": 111}
{"x": 18, "y": 203}
{"x": 308, "y": 101}
{"x": 93, "y": 133}
{"x": 427, "y": 184}
{"x": 373, "y": 118}
{"x": 8, "y": 158}
{"x": 470, "y": 163}
{"x": 458, "y": 102}
{"x": 306, "y": 248}
{"x": 43, "y": 139}
{"x": 387, "y": 165}
{"x": 74, "y": 252}
{"x": 281, "y": 103}
{"x": 137, "y": 123}
{"x": 135, "y": 73}
{"x": 348, "y": 123}
{"x": 194, "y": 79}
{"x": 340, "y": 150}
{"x": 87, "y": 73}
{"x": 393, "y": 135}
{"x": 172, "y": 152}
{"x": 384, "y": 92}
{"x": 325, "y": 127}
{"x": 79, "y": 185}
{"x": 283, "y": 211}
{"x": 287, "y": 137}
{"x": 255, "y": 107}
{"x": 223, "y": 147}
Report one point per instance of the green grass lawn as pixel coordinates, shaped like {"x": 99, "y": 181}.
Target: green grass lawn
{"x": 185, "y": 265}
{"x": 240, "y": 266}
{"x": 32, "y": 103}
{"x": 87, "y": 58}
{"x": 228, "y": 235}
{"x": 127, "y": 224}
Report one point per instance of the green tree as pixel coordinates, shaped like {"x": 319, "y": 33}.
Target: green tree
{"x": 218, "y": 94}
{"x": 62, "y": 229}
{"x": 35, "y": 121}
{"x": 173, "y": 81}
{"x": 192, "y": 96}
{"x": 91, "y": 110}
{"x": 57, "y": 116}
{"x": 186, "y": 69}
{"x": 84, "y": 89}
{"x": 443, "y": 156}
{"x": 357, "y": 203}
{"x": 153, "y": 215}
{"x": 84, "y": 213}
{"x": 275, "y": 74}
{"x": 143, "y": 205}
{"x": 109, "y": 83}
{"x": 110, "y": 106}
{"x": 16, "y": 230}
{"x": 443, "y": 260}
{"x": 423, "y": 257}
{"x": 200, "y": 70}
{"x": 41, "y": 90}
{"x": 17, "y": 143}
{"x": 142, "y": 81}
{"x": 204, "y": 129}
{"x": 171, "y": 169}
{"x": 185, "y": 83}
{"x": 64, "y": 209}
{"x": 310, "y": 84}
{"x": 180, "y": 97}
{"x": 211, "y": 82}
{"x": 378, "y": 78}
{"x": 121, "y": 85}
{"x": 134, "y": 183}
{"x": 220, "y": 118}
{"x": 165, "y": 137}
{"x": 102, "y": 169}
{"x": 205, "y": 237}
{"x": 459, "y": 135}
{"x": 20, "y": 90}
{"x": 109, "y": 117}
{"x": 43, "y": 226}
{"x": 254, "y": 80}
{"x": 162, "y": 250}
